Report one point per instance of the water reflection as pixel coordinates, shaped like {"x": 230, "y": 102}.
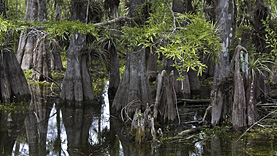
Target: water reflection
{"x": 46, "y": 127}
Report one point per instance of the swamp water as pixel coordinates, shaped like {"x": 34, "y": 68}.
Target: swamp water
{"x": 45, "y": 127}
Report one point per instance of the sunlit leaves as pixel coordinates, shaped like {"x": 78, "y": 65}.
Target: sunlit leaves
{"x": 182, "y": 42}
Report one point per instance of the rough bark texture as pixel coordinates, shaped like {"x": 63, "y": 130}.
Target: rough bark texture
{"x": 113, "y": 67}
{"x": 239, "y": 104}
{"x": 33, "y": 48}
{"x": 252, "y": 113}
{"x": 13, "y": 84}
{"x": 151, "y": 63}
{"x": 77, "y": 85}
{"x": 55, "y": 56}
{"x": 183, "y": 87}
{"x": 114, "y": 73}
{"x": 134, "y": 85}
{"x": 31, "y": 10}
{"x": 225, "y": 17}
{"x": 166, "y": 97}
{"x": 134, "y": 90}
{"x": 12, "y": 80}
{"x": 25, "y": 49}
{"x": 41, "y": 60}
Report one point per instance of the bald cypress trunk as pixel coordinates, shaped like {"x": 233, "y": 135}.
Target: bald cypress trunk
{"x": 224, "y": 14}
{"x": 134, "y": 90}
{"x": 77, "y": 85}
{"x": 33, "y": 48}
{"x": 13, "y": 84}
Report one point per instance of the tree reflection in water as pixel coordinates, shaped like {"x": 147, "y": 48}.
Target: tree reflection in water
{"x": 46, "y": 127}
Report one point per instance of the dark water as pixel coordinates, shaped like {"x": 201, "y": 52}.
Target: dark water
{"x": 46, "y": 127}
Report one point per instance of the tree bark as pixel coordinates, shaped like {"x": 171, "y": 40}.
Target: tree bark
{"x": 225, "y": 17}
{"x": 166, "y": 100}
{"x": 41, "y": 60}
{"x": 33, "y": 48}
{"x": 112, "y": 7}
{"x": 151, "y": 64}
{"x": 239, "y": 104}
{"x": 14, "y": 85}
{"x": 55, "y": 58}
{"x": 182, "y": 87}
{"x": 134, "y": 85}
{"x": 77, "y": 85}
{"x": 114, "y": 72}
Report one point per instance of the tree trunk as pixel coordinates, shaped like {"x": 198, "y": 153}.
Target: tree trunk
{"x": 113, "y": 67}
{"x": 182, "y": 87}
{"x": 14, "y": 85}
{"x": 31, "y": 10}
{"x": 25, "y": 49}
{"x": 55, "y": 58}
{"x": 134, "y": 90}
{"x": 41, "y": 60}
{"x": 225, "y": 17}
{"x": 195, "y": 86}
{"x": 252, "y": 113}
{"x": 191, "y": 82}
{"x": 166, "y": 100}
{"x": 77, "y": 85}
{"x": 134, "y": 85}
{"x": 239, "y": 104}
{"x": 114, "y": 73}
{"x": 151, "y": 64}
{"x": 33, "y": 48}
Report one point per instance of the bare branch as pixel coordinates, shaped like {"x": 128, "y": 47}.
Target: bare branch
{"x": 113, "y": 21}
{"x": 174, "y": 19}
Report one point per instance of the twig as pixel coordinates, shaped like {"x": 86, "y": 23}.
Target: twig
{"x": 206, "y": 112}
{"x": 174, "y": 19}
{"x": 255, "y": 124}
{"x": 113, "y": 21}
{"x": 125, "y": 110}
{"x": 177, "y": 110}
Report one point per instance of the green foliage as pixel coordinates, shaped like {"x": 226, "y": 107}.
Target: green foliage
{"x": 5, "y": 27}
{"x": 181, "y": 37}
{"x": 271, "y": 39}
{"x": 259, "y": 64}
{"x": 15, "y": 9}
{"x": 28, "y": 73}
{"x": 69, "y": 27}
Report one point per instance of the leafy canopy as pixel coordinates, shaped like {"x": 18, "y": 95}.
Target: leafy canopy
{"x": 181, "y": 37}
